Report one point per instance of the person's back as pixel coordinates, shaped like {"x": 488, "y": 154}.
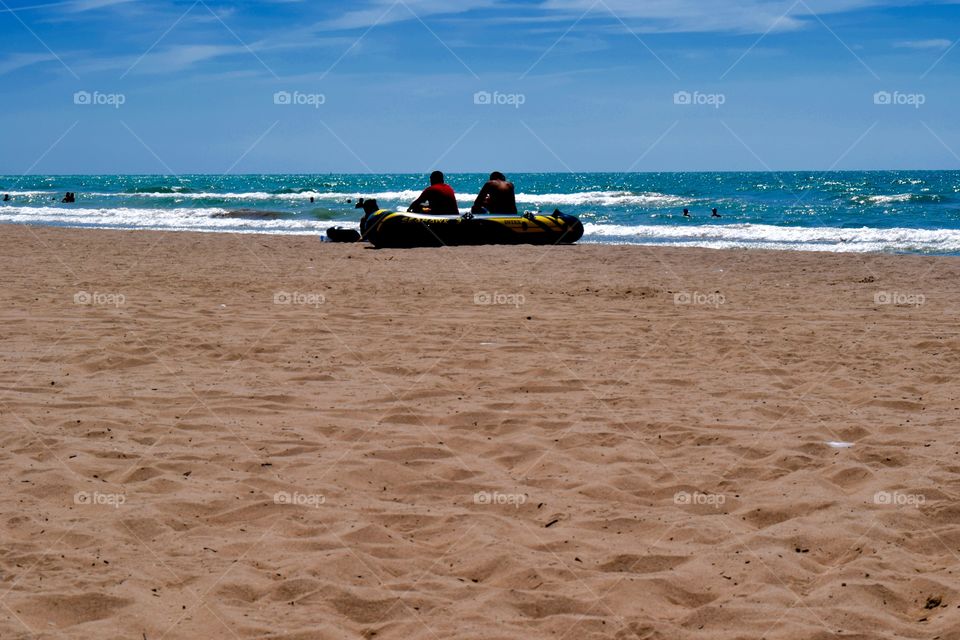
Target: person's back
{"x": 440, "y": 196}
{"x": 497, "y": 196}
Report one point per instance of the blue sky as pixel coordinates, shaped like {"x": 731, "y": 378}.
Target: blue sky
{"x": 294, "y": 86}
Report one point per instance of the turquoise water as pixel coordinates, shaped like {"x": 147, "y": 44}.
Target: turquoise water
{"x": 895, "y": 211}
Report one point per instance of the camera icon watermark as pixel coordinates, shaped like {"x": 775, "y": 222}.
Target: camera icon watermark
{"x": 898, "y": 298}
{"x": 97, "y": 99}
{"x": 495, "y": 98}
{"x": 899, "y": 99}
{"x": 683, "y": 298}
{"x": 897, "y": 499}
{"x": 496, "y": 298}
{"x": 99, "y": 299}
{"x": 96, "y": 498}
{"x": 301, "y": 299}
{"x": 299, "y": 99}
{"x": 299, "y": 499}
{"x": 497, "y": 498}
{"x": 685, "y": 499}
{"x": 696, "y": 98}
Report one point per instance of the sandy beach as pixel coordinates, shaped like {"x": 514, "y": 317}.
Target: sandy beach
{"x": 249, "y": 436}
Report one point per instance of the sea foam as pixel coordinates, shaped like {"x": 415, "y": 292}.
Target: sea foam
{"x": 762, "y": 236}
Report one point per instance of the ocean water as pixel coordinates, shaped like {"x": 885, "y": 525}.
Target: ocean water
{"x": 892, "y": 211}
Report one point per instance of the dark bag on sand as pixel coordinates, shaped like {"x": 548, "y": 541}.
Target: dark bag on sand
{"x": 337, "y": 234}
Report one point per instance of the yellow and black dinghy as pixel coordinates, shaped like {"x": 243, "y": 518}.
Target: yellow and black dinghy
{"x": 395, "y": 229}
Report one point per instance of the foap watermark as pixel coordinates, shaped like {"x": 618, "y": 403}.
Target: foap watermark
{"x": 99, "y": 299}
{"x": 497, "y": 99}
{"x": 714, "y": 299}
{"x": 299, "y": 499}
{"x": 299, "y": 99}
{"x": 698, "y": 99}
{"x": 685, "y": 498}
{"x": 899, "y": 99}
{"x": 99, "y": 499}
{"x": 496, "y": 298}
{"x": 899, "y": 298}
{"x": 497, "y": 498}
{"x": 97, "y": 99}
{"x": 897, "y": 499}
{"x": 297, "y": 298}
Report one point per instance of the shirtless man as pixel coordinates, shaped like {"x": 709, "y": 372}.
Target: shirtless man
{"x": 497, "y": 196}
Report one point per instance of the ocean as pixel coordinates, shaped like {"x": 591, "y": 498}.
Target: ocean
{"x": 883, "y": 211}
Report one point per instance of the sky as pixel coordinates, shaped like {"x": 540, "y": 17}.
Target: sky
{"x": 407, "y": 86}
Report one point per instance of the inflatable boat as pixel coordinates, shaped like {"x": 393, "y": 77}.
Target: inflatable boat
{"x": 394, "y": 229}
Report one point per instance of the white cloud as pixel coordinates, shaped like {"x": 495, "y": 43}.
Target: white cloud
{"x": 186, "y": 55}
{"x": 939, "y": 44}
{"x": 70, "y": 6}
{"x": 387, "y": 11}
{"x": 21, "y": 60}
{"x": 89, "y": 5}
{"x": 742, "y": 16}
{"x": 643, "y": 16}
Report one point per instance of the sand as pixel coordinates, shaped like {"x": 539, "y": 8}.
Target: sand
{"x": 215, "y": 436}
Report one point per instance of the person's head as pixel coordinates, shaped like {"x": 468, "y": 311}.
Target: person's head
{"x": 436, "y": 177}
{"x": 496, "y": 175}
{"x": 714, "y": 210}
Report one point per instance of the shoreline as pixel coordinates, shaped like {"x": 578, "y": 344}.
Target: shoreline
{"x": 256, "y": 436}
{"x": 320, "y": 233}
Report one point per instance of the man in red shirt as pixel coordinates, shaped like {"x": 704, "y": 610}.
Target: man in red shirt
{"x": 440, "y": 197}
